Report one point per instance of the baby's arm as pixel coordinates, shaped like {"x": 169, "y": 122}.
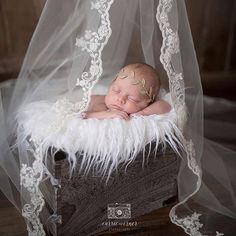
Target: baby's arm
{"x": 97, "y": 109}
{"x": 108, "y": 114}
{"x": 158, "y": 107}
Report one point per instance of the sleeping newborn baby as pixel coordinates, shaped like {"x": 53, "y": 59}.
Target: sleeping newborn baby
{"x": 133, "y": 91}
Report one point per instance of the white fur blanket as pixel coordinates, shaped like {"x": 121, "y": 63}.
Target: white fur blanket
{"x": 103, "y": 144}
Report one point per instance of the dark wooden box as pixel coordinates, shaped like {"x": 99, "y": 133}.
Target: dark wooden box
{"x": 78, "y": 205}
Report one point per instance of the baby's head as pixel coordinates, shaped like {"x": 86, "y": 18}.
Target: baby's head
{"x": 135, "y": 87}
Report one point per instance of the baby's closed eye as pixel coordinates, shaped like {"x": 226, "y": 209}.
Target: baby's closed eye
{"x": 133, "y": 99}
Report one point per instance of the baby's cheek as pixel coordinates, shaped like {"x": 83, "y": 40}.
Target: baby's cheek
{"x": 132, "y": 108}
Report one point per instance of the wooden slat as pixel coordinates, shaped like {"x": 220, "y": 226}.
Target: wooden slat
{"x": 211, "y": 22}
{"x": 213, "y": 25}
{"x": 11, "y": 222}
{"x": 196, "y": 15}
{"x": 38, "y": 4}
{"x": 17, "y": 22}
{"x": 232, "y": 41}
{"x": 5, "y": 44}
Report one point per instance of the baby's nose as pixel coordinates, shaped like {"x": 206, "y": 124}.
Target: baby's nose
{"x": 121, "y": 99}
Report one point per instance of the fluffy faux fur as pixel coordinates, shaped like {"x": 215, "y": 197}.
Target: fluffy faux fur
{"x": 102, "y": 144}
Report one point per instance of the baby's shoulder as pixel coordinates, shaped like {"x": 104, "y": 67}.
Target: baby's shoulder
{"x": 97, "y": 102}
{"x": 98, "y": 97}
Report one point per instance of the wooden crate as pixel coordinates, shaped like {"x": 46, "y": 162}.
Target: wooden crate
{"x": 80, "y": 203}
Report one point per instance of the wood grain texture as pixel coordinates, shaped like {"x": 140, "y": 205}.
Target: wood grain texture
{"x": 213, "y": 25}
{"x": 11, "y": 222}
{"x": 213, "y": 29}
{"x": 155, "y": 223}
{"x": 18, "y": 20}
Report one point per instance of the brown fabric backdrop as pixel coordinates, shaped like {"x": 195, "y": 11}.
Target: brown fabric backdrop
{"x": 213, "y": 24}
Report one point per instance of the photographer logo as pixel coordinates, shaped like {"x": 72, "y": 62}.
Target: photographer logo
{"x": 119, "y": 211}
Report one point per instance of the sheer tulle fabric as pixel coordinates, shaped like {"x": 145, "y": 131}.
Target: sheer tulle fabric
{"x": 79, "y": 44}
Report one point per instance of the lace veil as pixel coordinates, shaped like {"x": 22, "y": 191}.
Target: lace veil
{"x": 80, "y": 45}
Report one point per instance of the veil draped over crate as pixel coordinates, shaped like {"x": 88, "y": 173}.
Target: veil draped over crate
{"x": 77, "y": 49}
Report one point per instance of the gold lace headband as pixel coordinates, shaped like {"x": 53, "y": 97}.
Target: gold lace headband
{"x": 142, "y": 82}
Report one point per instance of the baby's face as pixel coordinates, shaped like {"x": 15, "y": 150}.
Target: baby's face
{"x": 126, "y": 96}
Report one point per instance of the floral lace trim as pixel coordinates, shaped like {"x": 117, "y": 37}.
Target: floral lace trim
{"x": 190, "y": 224}
{"x": 169, "y": 47}
{"x": 30, "y": 180}
{"x": 31, "y": 176}
{"x": 93, "y": 43}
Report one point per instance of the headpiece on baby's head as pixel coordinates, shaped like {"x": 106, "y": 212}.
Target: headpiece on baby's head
{"x": 149, "y": 92}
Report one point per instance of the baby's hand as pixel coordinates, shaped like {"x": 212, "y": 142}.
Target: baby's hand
{"x": 108, "y": 114}
{"x": 116, "y": 114}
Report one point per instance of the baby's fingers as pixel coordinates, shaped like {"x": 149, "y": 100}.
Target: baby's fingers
{"x": 124, "y": 115}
